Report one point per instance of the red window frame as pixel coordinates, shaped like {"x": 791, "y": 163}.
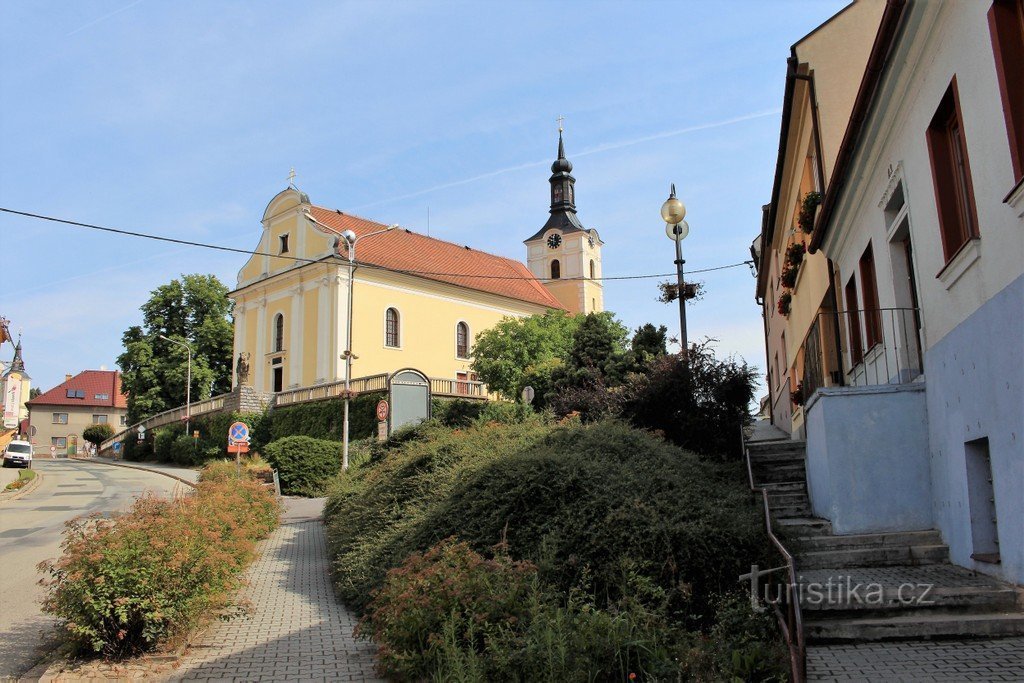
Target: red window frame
{"x": 1006, "y": 25}
{"x": 951, "y": 173}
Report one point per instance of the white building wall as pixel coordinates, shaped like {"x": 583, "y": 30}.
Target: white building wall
{"x": 973, "y": 338}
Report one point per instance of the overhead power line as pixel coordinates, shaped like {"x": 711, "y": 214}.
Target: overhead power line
{"x": 363, "y": 264}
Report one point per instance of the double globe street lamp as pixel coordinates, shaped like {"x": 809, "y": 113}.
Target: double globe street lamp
{"x": 673, "y": 211}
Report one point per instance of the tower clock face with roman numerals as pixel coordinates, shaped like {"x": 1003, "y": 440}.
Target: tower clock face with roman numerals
{"x": 554, "y": 241}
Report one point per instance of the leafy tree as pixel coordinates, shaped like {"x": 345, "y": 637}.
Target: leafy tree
{"x": 649, "y": 342}
{"x": 698, "y": 403}
{"x": 196, "y": 310}
{"x": 97, "y": 434}
{"x": 503, "y": 353}
{"x": 34, "y": 392}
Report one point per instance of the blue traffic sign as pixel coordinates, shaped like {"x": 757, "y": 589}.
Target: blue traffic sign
{"x": 117, "y": 446}
{"x": 238, "y": 432}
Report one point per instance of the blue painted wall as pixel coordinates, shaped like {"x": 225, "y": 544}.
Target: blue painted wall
{"x": 867, "y": 458}
{"x": 975, "y": 377}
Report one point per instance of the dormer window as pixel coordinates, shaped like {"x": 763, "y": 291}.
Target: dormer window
{"x": 284, "y": 243}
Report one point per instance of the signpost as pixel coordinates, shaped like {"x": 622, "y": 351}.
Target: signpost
{"x": 382, "y": 419}
{"x": 53, "y": 451}
{"x": 238, "y": 441}
{"x": 142, "y": 432}
{"x": 528, "y": 395}
{"x": 117, "y": 448}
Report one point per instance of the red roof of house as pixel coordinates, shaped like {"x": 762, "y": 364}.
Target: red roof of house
{"x": 93, "y": 384}
{"x": 434, "y": 259}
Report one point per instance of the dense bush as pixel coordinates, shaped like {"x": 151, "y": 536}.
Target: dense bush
{"x": 588, "y": 504}
{"x": 324, "y": 419}
{"x": 123, "y": 585}
{"x": 452, "y": 614}
{"x": 304, "y": 465}
{"x": 699, "y": 405}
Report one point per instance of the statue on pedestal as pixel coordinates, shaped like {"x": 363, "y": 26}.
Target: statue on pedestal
{"x": 242, "y": 369}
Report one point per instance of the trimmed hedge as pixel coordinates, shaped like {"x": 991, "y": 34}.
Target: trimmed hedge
{"x": 126, "y": 584}
{"x": 304, "y": 465}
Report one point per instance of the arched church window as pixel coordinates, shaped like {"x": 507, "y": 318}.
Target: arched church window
{"x": 593, "y": 271}
{"x": 391, "y": 328}
{"x": 556, "y": 270}
{"x": 278, "y": 332}
{"x": 462, "y": 340}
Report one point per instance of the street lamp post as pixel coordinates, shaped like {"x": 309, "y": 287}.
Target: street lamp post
{"x": 673, "y": 211}
{"x": 351, "y": 239}
{"x": 188, "y": 381}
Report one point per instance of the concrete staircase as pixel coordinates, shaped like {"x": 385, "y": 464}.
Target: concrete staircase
{"x": 878, "y": 586}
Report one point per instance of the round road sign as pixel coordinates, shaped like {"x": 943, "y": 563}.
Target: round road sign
{"x": 238, "y": 432}
{"x": 382, "y": 410}
{"x": 528, "y": 394}
{"x": 53, "y": 449}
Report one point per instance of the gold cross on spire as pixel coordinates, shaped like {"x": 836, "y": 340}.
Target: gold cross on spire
{"x": 560, "y": 119}
{"x": 291, "y": 177}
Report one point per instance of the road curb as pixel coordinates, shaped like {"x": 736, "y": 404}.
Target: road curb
{"x": 24, "y": 490}
{"x": 136, "y": 467}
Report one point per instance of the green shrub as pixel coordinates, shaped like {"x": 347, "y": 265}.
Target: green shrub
{"x": 324, "y": 419}
{"x": 588, "y": 504}
{"x": 456, "y": 412}
{"x": 97, "y": 434}
{"x": 452, "y": 614}
{"x": 163, "y": 443}
{"x": 304, "y": 465}
{"x": 700, "y": 406}
{"x": 123, "y": 585}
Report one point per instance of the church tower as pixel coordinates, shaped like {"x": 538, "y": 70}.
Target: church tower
{"x": 563, "y": 254}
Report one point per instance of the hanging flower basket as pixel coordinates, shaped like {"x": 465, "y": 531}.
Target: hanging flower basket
{"x": 788, "y": 277}
{"x": 797, "y": 395}
{"x": 784, "y": 302}
{"x": 795, "y": 253}
{"x": 808, "y": 209}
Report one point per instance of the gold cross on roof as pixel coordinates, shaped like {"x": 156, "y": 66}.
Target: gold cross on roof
{"x": 560, "y": 119}
{"x": 291, "y": 177}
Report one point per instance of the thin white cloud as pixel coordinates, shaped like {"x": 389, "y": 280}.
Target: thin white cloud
{"x": 103, "y": 18}
{"x": 593, "y": 150}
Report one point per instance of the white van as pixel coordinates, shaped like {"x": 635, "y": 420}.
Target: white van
{"x": 18, "y": 454}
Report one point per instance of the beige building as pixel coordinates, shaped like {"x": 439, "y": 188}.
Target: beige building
{"x": 58, "y": 417}
{"x": 414, "y": 301}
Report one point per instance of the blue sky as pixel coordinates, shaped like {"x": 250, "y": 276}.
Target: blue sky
{"x": 184, "y": 119}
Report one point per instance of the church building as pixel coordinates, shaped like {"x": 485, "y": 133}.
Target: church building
{"x": 414, "y": 301}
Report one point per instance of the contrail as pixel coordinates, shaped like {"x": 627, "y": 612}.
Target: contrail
{"x": 105, "y": 16}
{"x": 593, "y": 150}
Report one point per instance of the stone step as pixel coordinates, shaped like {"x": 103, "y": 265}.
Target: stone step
{"x": 777, "y": 499}
{"x": 874, "y": 600}
{"x": 915, "y": 626}
{"x": 774, "y": 458}
{"x": 882, "y": 540}
{"x": 802, "y": 527}
{"x": 785, "y": 487}
{"x": 778, "y": 477}
{"x": 912, "y": 555}
{"x": 777, "y": 446}
{"x": 790, "y": 511}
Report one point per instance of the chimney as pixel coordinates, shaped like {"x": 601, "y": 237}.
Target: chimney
{"x": 67, "y": 377}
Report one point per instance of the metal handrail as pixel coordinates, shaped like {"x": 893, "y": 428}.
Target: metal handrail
{"x": 792, "y": 623}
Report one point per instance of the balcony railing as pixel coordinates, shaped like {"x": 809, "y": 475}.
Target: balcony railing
{"x": 861, "y": 348}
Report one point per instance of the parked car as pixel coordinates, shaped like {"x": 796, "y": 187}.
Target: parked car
{"x": 18, "y": 454}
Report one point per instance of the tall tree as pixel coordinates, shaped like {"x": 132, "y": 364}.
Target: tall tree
{"x": 503, "y": 353}
{"x": 195, "y": 310}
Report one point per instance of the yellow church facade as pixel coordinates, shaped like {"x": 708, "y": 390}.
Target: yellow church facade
{"x": 416, "y": 301}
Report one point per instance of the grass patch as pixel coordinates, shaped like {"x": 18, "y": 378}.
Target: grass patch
{"x": 24, "y": 477}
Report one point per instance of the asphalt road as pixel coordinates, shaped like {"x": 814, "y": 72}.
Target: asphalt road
{"x": 31, "y": 530}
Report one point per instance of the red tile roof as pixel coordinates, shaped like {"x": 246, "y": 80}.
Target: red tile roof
{"x": 435, "y": 259}
{"x": 91, "y": 383}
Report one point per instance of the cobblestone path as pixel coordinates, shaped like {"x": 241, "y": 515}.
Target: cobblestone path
{"x": 297, "y": 631}
{"x": 998, "y": 659}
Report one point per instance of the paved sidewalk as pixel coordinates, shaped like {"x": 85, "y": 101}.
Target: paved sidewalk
{"x": 995, "y": 659}
{"x": 297, "y": 630}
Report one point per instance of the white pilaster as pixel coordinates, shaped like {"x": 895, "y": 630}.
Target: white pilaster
{"x": 295, "y": 352}
{"x": 259, "y": 362}
{"x": 323, "y": 328}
